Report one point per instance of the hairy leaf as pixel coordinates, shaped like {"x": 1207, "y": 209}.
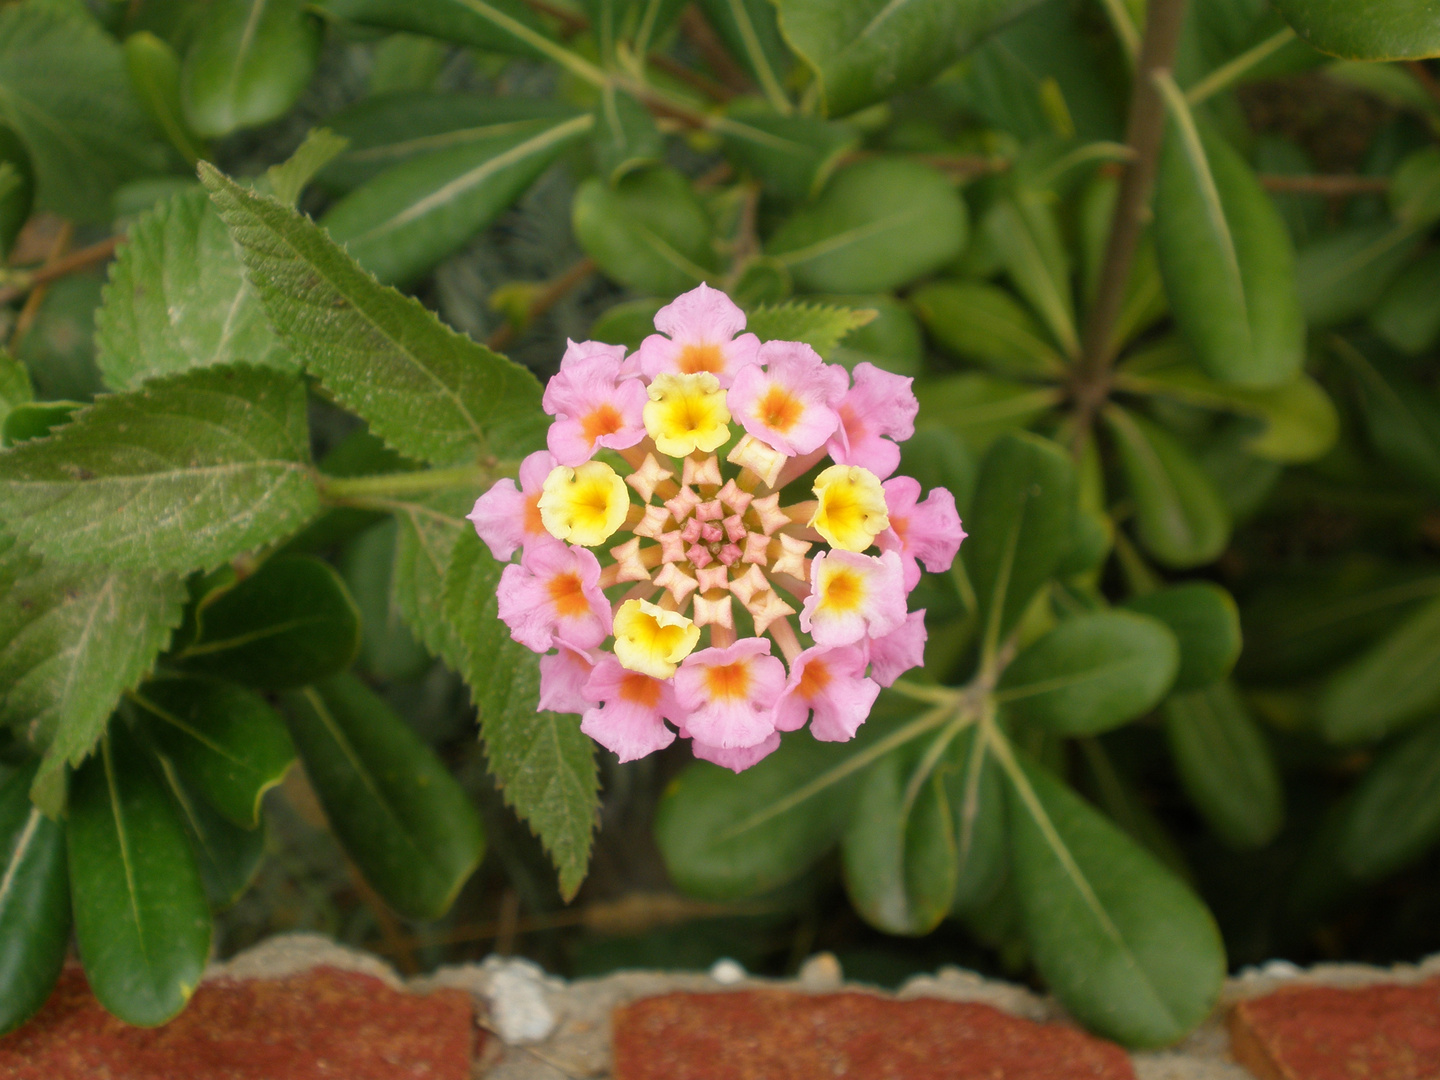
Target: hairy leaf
{"x": 822, "y": 327}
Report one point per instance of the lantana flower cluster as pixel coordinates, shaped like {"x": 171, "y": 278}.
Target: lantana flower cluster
{"x": 714, "y": 544}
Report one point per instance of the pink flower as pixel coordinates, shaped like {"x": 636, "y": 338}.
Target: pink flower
{"x": 898, "y": 651}
{"x": 740, "y": 758}
{"x": 507, "y": 517}
{"x": 701, "y": 326}
{"x": 790, "y": 403}
{"x": 853, "y": 596}
{"x": 592, "y": 405}
{"x": 562, "y": 678}
{"x": 829, "y": 681}
{"x": 927, "y": 531}
{"x": 554, "y": 593}
{"x": 728, "y": 695}
{"x": 880, "y": 404}
{"x": 629, "y": 718}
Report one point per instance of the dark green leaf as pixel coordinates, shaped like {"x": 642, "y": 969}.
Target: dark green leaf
{"x": 1415, "y": 189}
{"x": 1394, "y": 815}
{"x": 402, "y": 817}
{"x": 1402, "y": 416}
{"x": 981, "y": 408}
{"x": 35, "y": 419}
{"x": 1393, "y": 30}
{"x": 979, "y": 322}
{"x": 1024, "y": 231}
{"x": 1392, "y": 684}
{"x": 648, "y": 232}
{"x": 155, "y": 77}
{"x": 141, "y": 920}
{"x": 17, "y": 187}
{"x": 34, "y": 902}
{"x": 247, "y": 63}
{"x": 1407, "y": 316}
{"x": 15, "y": 386}
{"x": 227, "y": 855}
{"x": 403, "y": 221}
{"x": 1127, "y": 948}
{"x": 180, "y": 475}
{"x": 1225, "y": 764}
{"x": 977, "y": 801}
{"x": 1342, "y": 276}
{"x": 1180, "y": 517}
{"x": 1091, "y": 673}
{"x": 289, "y": 624}
{"x": 878, "y": 225}
{"x": 792, "y": 156}
{"x": 636, "y": 22}
{"x": 431, "y": 393}
{"x": 506, "y": 26}
{"x": 820, "y": 326}
{"x": 388, "y": 648}
{"x": 626, "y": 137}
{"x": 1205, "y": 621}
{"x": 750, "y": 31}
{"x": 225, "y": 742}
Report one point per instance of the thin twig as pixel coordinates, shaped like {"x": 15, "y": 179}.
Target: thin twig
{"x": 696, "y": 80}
{"x": 31, "y": 307}
{"x": 702, "y": 37}
{"x": 58, "y": 268}
{"x": 1339, "y": 184}
{"x": 547, "y": 299}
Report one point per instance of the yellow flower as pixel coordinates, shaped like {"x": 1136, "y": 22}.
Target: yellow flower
{"x": 584, "y": 505}
{"x": 851, "y": 508}
{"x": 686, "y": 413}
{"x": 651, "y": 640}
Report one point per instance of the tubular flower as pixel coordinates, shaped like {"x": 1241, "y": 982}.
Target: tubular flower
{"x": 727, "y": 599}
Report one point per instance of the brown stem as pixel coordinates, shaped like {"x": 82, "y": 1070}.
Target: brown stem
{"x": 961, "y": 166}
{"x": 1343, "y": 184}
{"x": 1145, "y": 130}
{"x": 1425, "y": 77}
{"x": 572, "y": 21}
{"x": 31, "y": 307}
{"x": 547, "y": 299}
{"x": 702, "y": 37}
{"x": 696, "y": 80}
{"x": 58, "y": 268}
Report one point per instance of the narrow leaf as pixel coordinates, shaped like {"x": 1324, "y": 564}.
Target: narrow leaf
{"x": 792, "y": 156}
{"x": 227, "y": 855}
{"x": 155, "y": 76}
{"x": 505, "y": 26}
{"x": 980, "y": 322}
{"x": 1394, "y": 814}
{"x": 649, "y": 231}
{"x": 980, "y": 408}
{"x": 34, "y": 902}
{"x": 15, "y": 388}
{"x": 1392, "y": 684}
{"x": 1401, "y": 415}
{"x": 1025, "y": 232}
{"x": 626, "y": 137}
{"x": 977, "y": 802}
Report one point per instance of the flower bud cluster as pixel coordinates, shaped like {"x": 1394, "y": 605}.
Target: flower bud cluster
{"x": 671, "y": 576}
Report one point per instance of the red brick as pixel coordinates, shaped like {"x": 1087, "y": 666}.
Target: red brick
{"x": 1385, "y": 1032}
{"x": 779, "y": 1035}
{"x": 322, "y": 1023}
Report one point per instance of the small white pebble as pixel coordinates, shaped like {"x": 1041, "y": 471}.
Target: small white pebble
{"x": 727, "y": 972}
{"x": 1281, "y": 969}
{"x": 518, "y": 1009}
{"x": 821, "y": 972}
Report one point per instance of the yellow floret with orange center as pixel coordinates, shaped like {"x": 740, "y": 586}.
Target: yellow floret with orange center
{"x": 584, "y": 505}
{"x": 686, "y": 413}
{"x": 651, "y": 640}
{"x": 842, "y": 589}
{"x": 850, "y": 510}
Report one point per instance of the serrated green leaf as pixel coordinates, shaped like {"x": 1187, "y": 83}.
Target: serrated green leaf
{"x": 178, "y": 299}
{"x": 892, "y": 340}
{"x": 979, "y": 322}
{"x": 1394, "y": 683}
{"x": 179, "y": 475}
{"x": 431, "y": 393}
{"x": 820, "y": 326}
{"x": 64, "y": 90}
{"x": 35, "y": 419}
{"x": 72, "y": 640}
{"x": 625, "y": 135}
{"x": 155, "y": 77}
{"x": 1205, "y": 621}
{"x": 792, "y": 156}
{"x": 141, "y": 921}
{"x": 34, "y": 902}
{"x": 544, "y": 764}
{"x": 424, "y": 546}
{"x": 1394, "y": 30}
{"x": 649, "y": 231}
{"x": 401, "y": 816}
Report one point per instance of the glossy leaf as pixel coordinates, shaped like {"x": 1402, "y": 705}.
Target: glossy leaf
{"x": 1180, "y": 518}
{"x": 247, "y": 63}
{"x": 1128, "y": 949}
{"x": 1225, "y": 764}
{"x": 212, "y": 462}
{"x": 751, "y": 32}
{"x": 227, "y": 855}
{"x": 1226, "y": 259}
{"x": 792, "y": 156}
{"x": 401, "y": 816}
{"x": 1341, "y": 276}
{"x": 980, "y": 408}
{"x": 1025, "y": 233}
{"x": 649, "y": 231}
{"x": 878, "y": 224}
{"x": 178, "y": 299}
{"x": 1091, "y": 673}
{"x": 1401, "y": 415}
{"x": 155, "y": 77}
{"x": 429, "y": 392}
{"x": 141, "y": 920}
{"x": 226, "y": 743}
{"x": 403, "y": 221}
{"x": 289, "y": 624}
{"x": 1394, "y": 30}
{"x": 1394, "y": 814}
{"x": 34, "y": 902}
{"x": 820, "y": 326}
{"x": 1205, "y": 621}
{"x": 977, "y": 801}
{"x": 505, "y": 26}
{"x": 977, "y": 321}
{"x": 1392, "y": 684}
{"x": 625, "y": 135}
{"x": 388, "y": 648}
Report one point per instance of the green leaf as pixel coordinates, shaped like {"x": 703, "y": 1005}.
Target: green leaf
{"x": 35, "y": 419}
{"x": 892, "y": 340}
{"x": 34, "y": 902}
{"x": 1128, "y": 949}
{"x": 388, "y": 649}
{"x": 1025, "y": 232}
{"x": 977, "y": 801}
{"x": 1226, "y": 258}
{"x": 627, "y": 323}
{"x": 504, "y": 26}
{"x": 649, "y": 231}
{"x": 288, "y": 179}
{"x": 178, "y": 299}
{"x": 979, "y": 322}
{"x": 1020, "y": 527}
{"x": 14, "y": 385}
{"x": 72, "y": 640}
{"x": 290, "y": 623}
{"x": 1225, "y": 764}
{"x": 180, "y": 475}
{"x": 820, "y": 326}
{"x": 403, "y": 221}
{"x": 752, "y": 35}
{"x": 247, "y": 63}
{"x": 544, "y": 764}
{"x": 1180, "y": 517}
{"x": 866, "y": 51}
{"x": 1406, "y": 315}
{"x": 637, "y": 23}
{"x": 141, "y": 920}
{"x": 878, "y": 224}
{"x": 1393, "y": 816}
{"x": 1392, "y": 684}
{"x": 792, "y": 156}
{"x": 401, "y": 816}
{"x": 1393, "y": 30}
{"x": 429, "y": 392}
{"x": 424, "y": 546}
{"x": 155, "y": 77}
{"x": 65, "y": 92}
{"x": 227, "y": 743}
{"x": 1091, "y": 673}
{"x": 981, "y": 408}
{"x": 1415, "y": 189}
{"x": 899, "y": 851}
{"x": 1401, "y": 415}
{"x": 1342, "y": 276}
{"x": 227, "y": 855}
{"x": 1205, "y": 621}
{"x": 17, "y": 187}
{"x": 626, "y": 137}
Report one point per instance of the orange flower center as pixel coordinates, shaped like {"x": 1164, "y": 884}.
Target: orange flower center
{"x": 606, "y": 420}
{"x": 640, "y": 689}
{"x": 568, "y": 596}
{"x": 814, "y": 680}
{"x": 780, "y": 409}
{"x": 534, "y": 524}
{"x": 728, "y": 682}
{"x": 844, "y": 591}
{"x": 695, "y": 358}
